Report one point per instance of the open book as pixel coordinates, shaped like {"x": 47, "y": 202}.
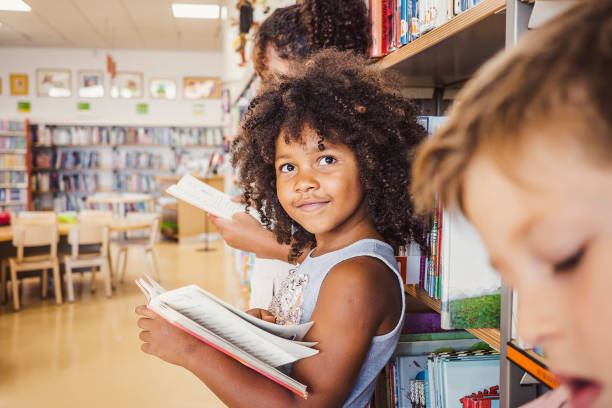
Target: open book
{"x": 260, "y": 345}
{"x": 205, "y": 197}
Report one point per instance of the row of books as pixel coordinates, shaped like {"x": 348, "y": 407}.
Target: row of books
{"x": 456, "y": 268}
{"x": 440, "y": 370}
{"x": 12, "y": 126}
{"x": 48, "y": 135}
{"x": 54, "y": 182}
{"x": 204, "y": 165}
{"x": 12, "y": 142}
{"x": 67, "y": 159}
{"x": 135, "y": 182}
{"x": 395, "y": 23}
{"x": 12, "y": 177}
{"x": 10, "y": 195}
{"x": 142, "y": 160}
{"x": 12, "y": 160}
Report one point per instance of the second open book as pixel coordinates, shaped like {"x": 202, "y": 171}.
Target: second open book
{"x": 260, "y": 345}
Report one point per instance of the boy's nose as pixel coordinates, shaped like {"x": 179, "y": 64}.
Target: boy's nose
{"x": 536, "y": 319}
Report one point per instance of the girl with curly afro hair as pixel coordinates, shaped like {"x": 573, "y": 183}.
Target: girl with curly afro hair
{"x": 324, "y": 159}
{"x": 287, "y": 37}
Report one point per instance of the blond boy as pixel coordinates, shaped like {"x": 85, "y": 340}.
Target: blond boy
{"x": 526, "y": 155}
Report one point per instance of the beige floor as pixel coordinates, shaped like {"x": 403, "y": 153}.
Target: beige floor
{"x": 87, "y": 354}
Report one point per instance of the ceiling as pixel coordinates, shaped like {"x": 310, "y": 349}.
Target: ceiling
{"x": 116, "y": 24}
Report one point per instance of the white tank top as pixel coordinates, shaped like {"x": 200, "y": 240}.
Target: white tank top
{"x": 305, "y": 284}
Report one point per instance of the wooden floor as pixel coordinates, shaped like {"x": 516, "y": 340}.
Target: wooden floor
{"x": 87, "y": 354}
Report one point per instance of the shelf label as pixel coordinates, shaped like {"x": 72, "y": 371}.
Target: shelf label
{"x": 142, "y": 108}
{"x": 83, "y": 107}
{"x": 23, "y": 107}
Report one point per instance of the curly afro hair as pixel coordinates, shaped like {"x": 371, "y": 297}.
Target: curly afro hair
{"x": 299, "y": 30}
{"x": 345, "y": 101}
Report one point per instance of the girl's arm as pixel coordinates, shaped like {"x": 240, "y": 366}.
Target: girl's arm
{"x": 349, "y": 312}
{"x": 244, "y": 232}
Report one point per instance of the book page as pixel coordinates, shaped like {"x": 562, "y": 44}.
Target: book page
{"x": 228, "y": 348}
{"x": 205, "y": 197}
{"x": 271, "y": 349}
{"x": 291, "y": 332}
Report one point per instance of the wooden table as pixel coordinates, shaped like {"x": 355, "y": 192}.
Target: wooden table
{"x": 119, "y": 224}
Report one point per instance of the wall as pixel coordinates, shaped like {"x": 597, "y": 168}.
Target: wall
{"x": 106, "y": 110}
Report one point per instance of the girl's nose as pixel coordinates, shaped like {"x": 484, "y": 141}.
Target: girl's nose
{"x": 305, "y": 182}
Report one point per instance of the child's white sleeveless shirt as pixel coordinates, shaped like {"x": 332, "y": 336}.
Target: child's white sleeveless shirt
{"x": 303, "y": 285}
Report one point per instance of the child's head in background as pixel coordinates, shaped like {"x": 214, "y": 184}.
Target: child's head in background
{"x": 527, "y": 156}
{"x": 295, "y": 32}
{"x": 335, "y": 105}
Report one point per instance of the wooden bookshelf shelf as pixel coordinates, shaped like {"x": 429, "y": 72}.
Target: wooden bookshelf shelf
{"x": 14, "y": 151}
{"x": 13, "y": 134}
{"x": 532, "y": 363}
{"x": 40, "y": 169}
{"x": 490, "y": 336}
{"x": 12, "y": 169}
{"x": 8, "y": 185}
{"x": 452, "y": 52}
{"x": 13, "y": 203}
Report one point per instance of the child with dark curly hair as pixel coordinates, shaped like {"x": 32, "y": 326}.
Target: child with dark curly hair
{"x": 290, "y": 35}
{"x": 324, "y": 158}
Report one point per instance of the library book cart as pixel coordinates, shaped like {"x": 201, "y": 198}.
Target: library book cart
{"x": 441, "y": 61}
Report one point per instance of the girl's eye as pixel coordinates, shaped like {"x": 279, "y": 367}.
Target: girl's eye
{"x": 326, "y": 160}
{"x": 286, "y": 168}
{"x": 570, "y": 263}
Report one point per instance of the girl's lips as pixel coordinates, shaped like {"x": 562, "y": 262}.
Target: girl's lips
{"x": 312, "y": 206}
{"x": 583, "y": 392}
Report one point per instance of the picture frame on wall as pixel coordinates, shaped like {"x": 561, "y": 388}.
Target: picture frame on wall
{"x": 19, "y": 84}
{"x": 201, "y": 88}
{"x": 54, "y": 83}
{"x": 162, "y": 88}
{"x": 127, "y": 85}
{"x": 91, "y": 84}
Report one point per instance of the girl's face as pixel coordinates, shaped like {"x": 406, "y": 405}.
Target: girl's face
{"x": 319, "y": 189}
{"x": 548, "y": 230}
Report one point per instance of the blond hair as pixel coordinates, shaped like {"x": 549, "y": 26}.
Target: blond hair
{"x": 566, "y": 63}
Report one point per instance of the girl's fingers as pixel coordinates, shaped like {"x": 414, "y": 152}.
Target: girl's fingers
{"x": 145, "y": 323}
{"x": 145, "y": 336}
{"x": 144, "y": 311}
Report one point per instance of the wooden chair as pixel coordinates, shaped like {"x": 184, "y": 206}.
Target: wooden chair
{"x": 147, "y": 243}
{"x": 32, "y": 229}
{"x": 88, "y": 233}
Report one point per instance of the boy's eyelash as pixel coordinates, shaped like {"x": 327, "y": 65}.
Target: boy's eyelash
{"x": 570, "y": 263}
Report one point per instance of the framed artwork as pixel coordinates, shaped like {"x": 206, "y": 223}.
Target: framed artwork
{"x": 201, "y": 88}
{"x": 127, "y": 85}
{"x": 91, "y": 84}
{"x": 56, "y": 83}
{"x": 162, "y": 88}
{"x": 19, "y": 84}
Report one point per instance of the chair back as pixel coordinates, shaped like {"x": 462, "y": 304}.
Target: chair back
{"x": 37, "y": 216}
{"x": 88, "y": 233}
{"x": 154, "y": 217}
{"x": 96, "y": 215}
{"x": 35, "y": 233}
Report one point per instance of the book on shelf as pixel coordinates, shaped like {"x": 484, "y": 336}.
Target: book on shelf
{"x": 395, "y": 23}
{"x": 12, "y": 126}
{"x": 409, "y": 379}
{"x": 205, "y": 197}
{"x": 260, "y": 345}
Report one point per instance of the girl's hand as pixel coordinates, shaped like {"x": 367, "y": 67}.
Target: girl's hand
{"x": 164, "y": 340}
{"x": 262, "y": 314}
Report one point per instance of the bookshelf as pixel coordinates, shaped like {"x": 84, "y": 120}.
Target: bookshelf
{"x": 73, "y": 161}
{"x": 440, "y": 57}
{"x": 489, "y": 336}
{"x": 444, "y": 58}
{"x": 14, "y": 165}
